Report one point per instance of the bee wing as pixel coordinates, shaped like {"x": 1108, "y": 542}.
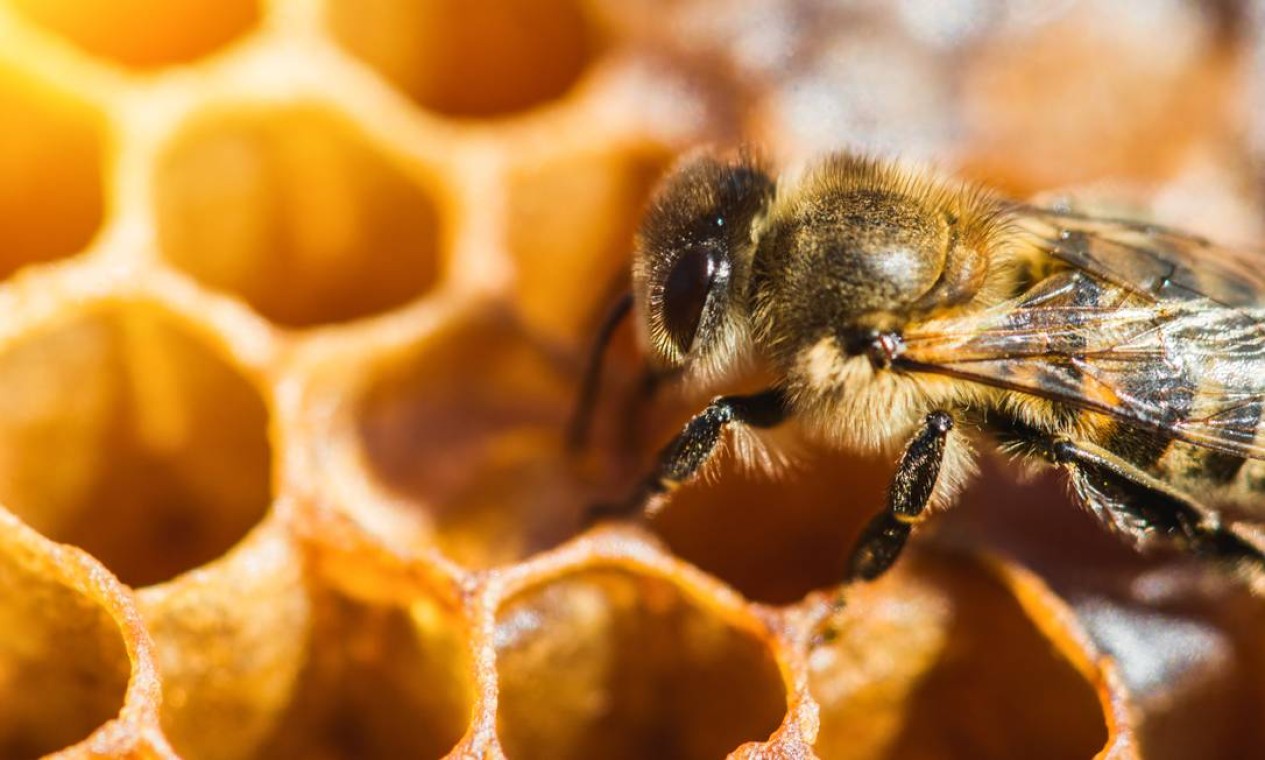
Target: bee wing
{"x": 1189, "y": 366}
{"x": 1150, "y": 260}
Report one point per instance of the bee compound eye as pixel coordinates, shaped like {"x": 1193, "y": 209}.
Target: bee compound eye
{"x": 685, "y": 293}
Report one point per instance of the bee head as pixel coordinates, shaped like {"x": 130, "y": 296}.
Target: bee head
{"x": 692, "y": 261}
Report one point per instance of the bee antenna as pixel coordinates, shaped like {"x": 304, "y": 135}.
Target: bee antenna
{"x": 582, "y": 416}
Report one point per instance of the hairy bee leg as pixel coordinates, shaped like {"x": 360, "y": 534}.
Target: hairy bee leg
{"x": 1145, "y": 510}
{"x": 883, "y": 539}
{"x": 685, "y": 454}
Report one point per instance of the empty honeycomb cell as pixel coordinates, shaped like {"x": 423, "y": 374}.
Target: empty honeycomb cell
{"x": 776, "y": 535}
{"x": 1198, "y": 682}
{"x": 889, "y": 635}
{"x": 571, "y": 222}
{"x": 252, "y": 198}
{"x": 231, "y": 639}
{"x": 632, "y": 668}
{"x": 467, "y": 426}
{"x": 144, "y": 34}
{"x": 64, "y": 665}
{"x": 382, "y": 681}
{"x": 51, "y": 195}
{"x": 463, "y": 58}
{"x": 122, "y": 433}
{"x": 939, "y": 659}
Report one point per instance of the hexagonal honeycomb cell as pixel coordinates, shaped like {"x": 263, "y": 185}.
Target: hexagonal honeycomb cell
{"x": 251, "y": 197}
{"x": 143, "y": 34}
{"x": 52, "y": 193}
{"x": 634, "y": 669}
{"x": 187, "y": 471}
{"x": 295, "y": 299}
{"x": 480, "y": 59}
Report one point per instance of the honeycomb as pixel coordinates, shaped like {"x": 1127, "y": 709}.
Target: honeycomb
{"x": 296, "y": 297}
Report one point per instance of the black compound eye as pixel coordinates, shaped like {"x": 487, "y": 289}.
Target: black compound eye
{"x": 685, "y": 293}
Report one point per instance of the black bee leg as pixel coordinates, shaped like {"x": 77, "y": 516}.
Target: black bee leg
{"x": 685, "y": 454}
{"x": 1147, "y": 512}
{"x": 883, "y": 539}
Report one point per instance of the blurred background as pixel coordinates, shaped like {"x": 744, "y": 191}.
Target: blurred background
{"x": 295, "y": 299}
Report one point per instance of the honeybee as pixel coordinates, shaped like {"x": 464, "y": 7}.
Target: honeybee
{"x": 905, "y": 313}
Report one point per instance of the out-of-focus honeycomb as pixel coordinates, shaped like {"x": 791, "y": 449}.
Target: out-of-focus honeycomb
{"x": 296, "y": 295}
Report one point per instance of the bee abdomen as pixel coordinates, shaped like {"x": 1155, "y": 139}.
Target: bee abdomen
{"x": 1214, "y": 477}
{"x": 1216, "y": 474}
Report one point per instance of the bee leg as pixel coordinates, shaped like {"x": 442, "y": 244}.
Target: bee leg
{"x": 685, "y": 454}
{"x": 883, "y": 539}
{"x": 1145, "y": 510}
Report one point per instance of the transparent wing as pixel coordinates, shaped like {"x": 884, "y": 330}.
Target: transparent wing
{"x": 1187, "y": 365}
{"x": 1152, "y": 261}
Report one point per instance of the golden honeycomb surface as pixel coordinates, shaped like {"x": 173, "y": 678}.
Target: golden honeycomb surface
{"x": 295, "y": 299}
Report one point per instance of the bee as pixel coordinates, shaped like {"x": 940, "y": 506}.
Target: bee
{"x": 903, "y": 313}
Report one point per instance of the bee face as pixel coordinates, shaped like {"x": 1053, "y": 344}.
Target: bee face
{"x": 692, "y": 261}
